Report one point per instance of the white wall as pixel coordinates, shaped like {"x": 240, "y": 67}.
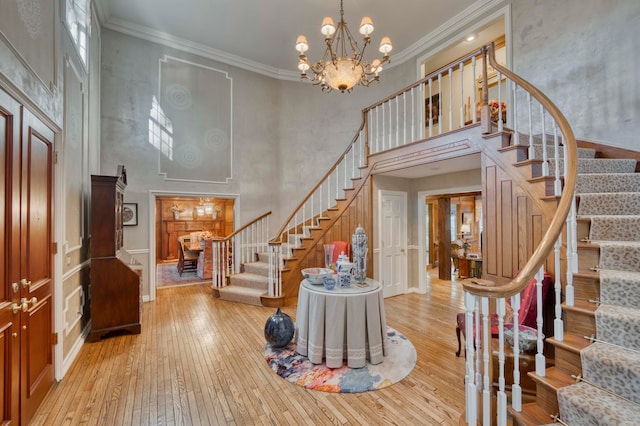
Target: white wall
{"x": 584, "y": 55}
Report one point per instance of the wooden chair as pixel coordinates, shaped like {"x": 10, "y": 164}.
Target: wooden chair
{"x": 187, "y": 259}
{"x": 527, "y": 314}
{"x": 338, "y": 248}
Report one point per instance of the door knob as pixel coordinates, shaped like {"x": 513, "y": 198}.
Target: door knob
{"x": 25, "y": 283}
{"x": 24, "y": 303}
{"x": 15, "y": 308}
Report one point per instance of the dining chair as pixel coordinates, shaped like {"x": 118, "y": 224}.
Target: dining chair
{"x": 187, "y": 259}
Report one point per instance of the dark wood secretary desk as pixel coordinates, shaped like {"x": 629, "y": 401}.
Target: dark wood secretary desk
{"x": 115, "y": 275}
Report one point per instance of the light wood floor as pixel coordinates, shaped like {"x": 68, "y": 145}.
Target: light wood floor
{"x": 200, "y": 361}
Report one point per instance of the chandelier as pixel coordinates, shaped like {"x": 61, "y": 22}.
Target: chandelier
{"x": 342, "y": 66}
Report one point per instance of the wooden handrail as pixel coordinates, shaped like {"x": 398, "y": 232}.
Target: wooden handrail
{"x": 484, "y": 288}
{"x": 239, "y": 230}
{"x": 320, "y": 182}
{"x": 424, "y": 79}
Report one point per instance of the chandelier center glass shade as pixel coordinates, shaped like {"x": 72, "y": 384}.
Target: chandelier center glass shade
{"x": 343, "y": 65}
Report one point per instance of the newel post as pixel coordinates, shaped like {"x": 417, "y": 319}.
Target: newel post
{"x": 485, "y": 111}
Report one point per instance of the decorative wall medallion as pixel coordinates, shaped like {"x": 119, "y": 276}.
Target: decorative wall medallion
{"x": 189, "y": 156}
{"x": 31, "y": 16}
{"x": 215, "y": 139}
{"x": 178, "y": 96}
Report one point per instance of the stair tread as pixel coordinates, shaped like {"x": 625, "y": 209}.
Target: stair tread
{"x": 243, "y": 290}
{"x": 251, "y": 277}
{"x": 554, "y": 378}
{"x": 572, "y": 342}
{"x": 587, "y": 274}
{"x": 531, "y": 414}
{"x": 581, "y": 306}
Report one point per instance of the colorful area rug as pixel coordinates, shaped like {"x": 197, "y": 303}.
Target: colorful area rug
{"x": 167, "y": 276}
{"x": 400, "y": 360}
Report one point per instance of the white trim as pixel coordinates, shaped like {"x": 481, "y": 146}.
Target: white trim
{"x": 184, "y": 45}
{"x": 83, "y": 146}
{"x": 58, "y": 269}
{"x": 153, "y": 193}
{"x": 165, "y": 60}
{"x": 73, "y": 352}
{"x": 446, "y": 30}
{"x": 69, "y": 327}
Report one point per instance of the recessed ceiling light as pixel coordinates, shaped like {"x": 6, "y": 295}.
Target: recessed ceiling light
{"x": 471, "y": 37}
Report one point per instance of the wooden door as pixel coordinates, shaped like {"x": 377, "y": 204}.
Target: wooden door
{"x": 9, "y": 261}
{"x": 36, "y": 279}
{"x": 26, "y": 308}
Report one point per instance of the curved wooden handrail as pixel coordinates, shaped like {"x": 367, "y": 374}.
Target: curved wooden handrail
{"x": 478, "y": 287}
{"x": 320, "y": 182}
{"x": 424, "y": 79}
{"x": 239, "y": 230}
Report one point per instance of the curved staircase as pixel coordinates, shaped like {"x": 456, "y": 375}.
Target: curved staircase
{"x": 596, "y": 377}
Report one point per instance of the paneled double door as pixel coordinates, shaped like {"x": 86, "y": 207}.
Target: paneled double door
{"x": 26, "y": 259}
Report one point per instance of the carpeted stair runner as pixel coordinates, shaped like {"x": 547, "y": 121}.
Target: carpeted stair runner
{"x": 609, "y": 195}
{"x": 248, "y": 286}
{"x": 583, "y": 404}
{"x": 620, "y": 288}
{"x": 618, "y": 228}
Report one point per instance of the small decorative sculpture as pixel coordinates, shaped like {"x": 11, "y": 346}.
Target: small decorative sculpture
{"x": 279, "y": 329}
{"x": 359, "y": 242}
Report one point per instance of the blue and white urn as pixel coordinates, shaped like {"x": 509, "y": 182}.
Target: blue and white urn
{"x": 360, "y": 249}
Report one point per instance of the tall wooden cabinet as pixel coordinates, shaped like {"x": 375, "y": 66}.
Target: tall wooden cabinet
{"x": 115, "y": 281}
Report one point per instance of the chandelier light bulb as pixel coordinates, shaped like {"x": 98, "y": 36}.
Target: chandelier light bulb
{"x": 328, "y": 27}
{"x": 385, "y": 45}
{"x": 301, "y": 44}
{"x": 343, "y": 64}
{"x": 303, "y": 65}
{"x": 366, "y": 26}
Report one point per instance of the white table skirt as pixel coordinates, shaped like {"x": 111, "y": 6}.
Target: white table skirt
{"x": 341, "y": 323}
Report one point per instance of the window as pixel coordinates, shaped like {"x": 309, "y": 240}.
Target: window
{"x": 78, "y": 23}
{"x": 160, "y": 130}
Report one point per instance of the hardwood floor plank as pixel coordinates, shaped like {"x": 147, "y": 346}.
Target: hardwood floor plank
{"x": 200, "y": 361}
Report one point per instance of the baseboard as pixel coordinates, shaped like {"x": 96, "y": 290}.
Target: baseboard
{"x": 75, "y": 350}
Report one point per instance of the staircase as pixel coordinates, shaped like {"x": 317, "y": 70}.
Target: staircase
{"x": 249, "y": 285}
{"x": 596, "y": 377}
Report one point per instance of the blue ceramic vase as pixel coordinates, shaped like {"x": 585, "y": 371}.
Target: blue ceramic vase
{"x": 279, "y": 329}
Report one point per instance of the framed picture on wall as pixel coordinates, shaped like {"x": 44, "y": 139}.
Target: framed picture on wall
{"x": 432, "y": 109}
{"x": 130, "y": 214}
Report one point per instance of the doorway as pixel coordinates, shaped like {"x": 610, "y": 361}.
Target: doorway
{"x": 393, "y": 242}
{"x": 439, "y": 228}
{"x": 185, "y": 215}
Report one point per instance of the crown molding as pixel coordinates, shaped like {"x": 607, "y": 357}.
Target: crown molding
{"x": 448, "y": 29}
{"x": 181, "y": 44}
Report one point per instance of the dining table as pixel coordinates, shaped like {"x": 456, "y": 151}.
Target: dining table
{"x": 341, "y": 324}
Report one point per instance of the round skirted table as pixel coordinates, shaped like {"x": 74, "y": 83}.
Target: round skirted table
{"x": 343, "y": 323}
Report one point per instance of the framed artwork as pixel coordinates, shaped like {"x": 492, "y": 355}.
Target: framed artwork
{"x": 130, "y": 214}
{"x": 432, "y": 109}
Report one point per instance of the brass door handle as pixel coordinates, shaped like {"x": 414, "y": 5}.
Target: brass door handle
{"x": 25, "y": 283}
{"x": 24, "y": 303}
